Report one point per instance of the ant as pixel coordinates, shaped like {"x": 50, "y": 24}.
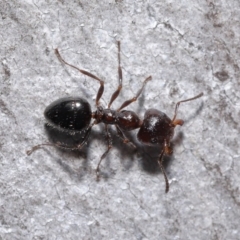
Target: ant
{"x": 73, "y": 115}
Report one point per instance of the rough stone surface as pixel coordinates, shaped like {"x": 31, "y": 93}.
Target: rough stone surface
{"x": 188, "y": 47}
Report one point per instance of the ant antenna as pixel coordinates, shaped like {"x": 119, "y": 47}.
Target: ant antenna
{"x": 186, "y": 100}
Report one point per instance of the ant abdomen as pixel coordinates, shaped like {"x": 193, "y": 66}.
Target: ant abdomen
{"x": 69, "y": 114}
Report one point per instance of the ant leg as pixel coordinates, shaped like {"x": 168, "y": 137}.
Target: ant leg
{"x": 167, "y": 148}
{"x": 109, "y": 140}
{"x": 101, "y": 88}
{"x": 116, "y": 93}
{"x": 178, "y": 121}
{"x": 59, "y": 145}
{"x": 122, "y": 136}
{"x": 126, "y": 103}
{"x": 29, "y": 152}
{"x": 160, "y": 162}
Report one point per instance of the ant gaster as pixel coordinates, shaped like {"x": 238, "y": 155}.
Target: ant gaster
{"x": 73, "y": 114}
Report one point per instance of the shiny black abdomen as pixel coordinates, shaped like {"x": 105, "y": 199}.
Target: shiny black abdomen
{"x": 69, "y": 113}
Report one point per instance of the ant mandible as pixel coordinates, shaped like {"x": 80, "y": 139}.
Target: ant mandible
{"x": 73, "y": 114}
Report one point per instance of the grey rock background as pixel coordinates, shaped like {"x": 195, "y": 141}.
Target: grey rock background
{"x": 187, "y": 47}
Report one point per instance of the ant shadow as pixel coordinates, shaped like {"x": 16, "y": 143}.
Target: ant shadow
{"x": 150, "y": 155}
{"x": 195, "y": 114}
{"x": 127, "y": 154}
{"x": 56, "y": 136}
{"x": 72, "y": 140}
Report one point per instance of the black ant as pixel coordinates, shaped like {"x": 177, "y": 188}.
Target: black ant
{"x": 73, "y": 114}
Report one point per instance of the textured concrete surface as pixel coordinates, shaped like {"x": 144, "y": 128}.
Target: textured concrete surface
{"x": 188, "y": 48}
